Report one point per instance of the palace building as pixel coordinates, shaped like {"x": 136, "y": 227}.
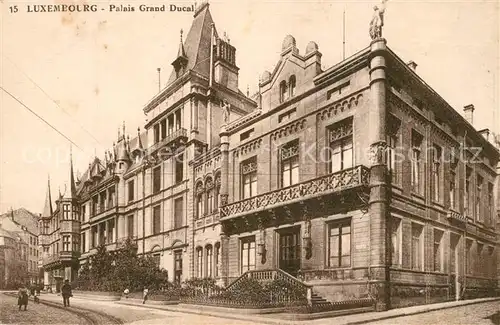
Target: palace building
{"x": 359, "y": 180}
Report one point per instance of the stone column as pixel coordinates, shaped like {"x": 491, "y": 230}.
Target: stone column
{"x": 380, "y": 234}
{"x": 121, "y": 226}
{"x": 195, "y": 118}
{"x": 223, "y": 200}
{"x": 46, "y": 280}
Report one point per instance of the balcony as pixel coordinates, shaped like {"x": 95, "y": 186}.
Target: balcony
{"x": 356, "y": 177}
{"x": 172, "y": 141}
{"x": 453, "y": 215}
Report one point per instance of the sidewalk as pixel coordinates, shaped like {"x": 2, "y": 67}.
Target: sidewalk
{"x": 360, "y": 318}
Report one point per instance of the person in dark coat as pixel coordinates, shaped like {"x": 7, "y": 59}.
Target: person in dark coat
{"x": 22, "y": 297}
{"x": 66, "y": 292}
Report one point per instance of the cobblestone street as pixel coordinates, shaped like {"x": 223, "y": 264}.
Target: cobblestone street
{"x": 35, "y": 313}
{"x": 478, "y": 314}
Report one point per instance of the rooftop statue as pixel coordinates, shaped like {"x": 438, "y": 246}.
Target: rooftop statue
{"x": 225, "y": 110}
{"x": 377, "y": 21}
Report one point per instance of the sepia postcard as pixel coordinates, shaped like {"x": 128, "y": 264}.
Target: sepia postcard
{"x": 250, "y": 162}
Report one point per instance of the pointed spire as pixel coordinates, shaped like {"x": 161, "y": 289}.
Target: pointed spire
{"x": 118, "y": 134}
{"x": 123, "y": 130}
{"x": 248, "y": 90}
{"x": 71, "y": 194}
{"x": 47, "y": 209}
{"x": 181, "y": 52}
{"x": 139, "y": 141}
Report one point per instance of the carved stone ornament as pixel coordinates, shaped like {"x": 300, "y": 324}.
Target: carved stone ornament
{"x": 223, "y": 199}
{"x": 377, "y": 153}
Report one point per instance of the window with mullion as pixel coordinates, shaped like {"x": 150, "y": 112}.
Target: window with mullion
{"x": 249, "y": 178}
{"x": 339, "y": 248}
{"x": 66, "y": 211}
{"x": 393, "y": 127}
{"x": 436, "y": 173}
{"x": 290, "y": 164}
{"x": 247, "y": 254}
{"x": 65, "y": 243}
{"x": 209, "y": 261}
{"x": 341, "y": 146}
{"x": 416, "y": 162}
{"x": 199, "y": 263}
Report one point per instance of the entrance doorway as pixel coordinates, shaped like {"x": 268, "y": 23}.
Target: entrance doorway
{"x": 289, "y": 250}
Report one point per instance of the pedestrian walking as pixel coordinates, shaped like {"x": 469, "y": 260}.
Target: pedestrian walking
{"x": 22, "y": 297}
{"x": 66, "y": 292}
{"x": 126, "y": 292}
{"x": 145, "y": 295}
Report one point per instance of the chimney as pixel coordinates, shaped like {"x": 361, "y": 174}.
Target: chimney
{"x": 469, "y": 113}
{"x": 412, "y": 65}
{"x": 485, "y": 133}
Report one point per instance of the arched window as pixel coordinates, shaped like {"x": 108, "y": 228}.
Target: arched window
{"x": 210, "y": 195}
{"x": 199, "y": 200}
{"x": 216, "y": 259}
{"x": 209, "y": 261}
{"x": 155, "y": 254}
{"x": 199, "y": 262}
{"x": 217, "y": 192}
{"x": 283, "y": 91}
{"x": 291, "y": 86}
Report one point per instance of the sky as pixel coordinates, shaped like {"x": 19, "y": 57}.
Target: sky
{"x": 88, "y": 73}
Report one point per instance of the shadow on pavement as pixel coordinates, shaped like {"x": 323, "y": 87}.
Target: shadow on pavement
{"x": 495, "y": 318}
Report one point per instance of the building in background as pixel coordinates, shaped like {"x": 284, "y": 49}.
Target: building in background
{"x": 13, "y": 260}
{"x": 25, "y": 224}
{"x": 359, "y": 180}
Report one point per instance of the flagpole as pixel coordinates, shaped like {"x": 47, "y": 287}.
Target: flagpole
{"x": 343, "y": 35}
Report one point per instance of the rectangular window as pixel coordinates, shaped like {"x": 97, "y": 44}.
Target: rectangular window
{"x": 178, "y": 119}
{"x": 66, "y": 211}
{"x": 199, "y": 262}
{"x": 249, "y": 178}
{"x": 156, "y": 133}
{"x": 467, "y": 207}
{"x": 247, "y": 254}
{"x": 111, "y": 230}
{"x": 479, "y": 189}
{"x": 453, "y": 253}
{"x": 216, "y": 259}
{"x": 131, "y": 191}
{"x": 397, "y": 242}
{"x": 491, "y": 205}
{"x": 290, "y": 164}
{"x": 93, "y": 238}
{"x": 417, "y": 247}
{"x": 341, "y": 146}
{"x": 83, "y": 242}
{"x": 156, "y": 179}
{"x": 163, "y": 124}
{"x": 209, "y": 260}
{"x": 289, "y": 115}
{"x": 436, "y": 173}
{"x": 156, "y": 259}
{"x": 111, "y": 197}
{"x": 178, "y": 266}
{"x": 468, "y": 259}
{"x": 75, "y": 243}
{"x": 65, "y": 244}
{"x": 453, "y": 190}
{"x": 130, "y": 226}
{"x": 84, "y": 212}
{"x": 339, "y": 244}
{"x": 480, "y": 267}
{"x": 247, "y": 134}
{"x": 416, "y": 162}
{"x": 438, "y": 251}
{"x": 179, "y": 168}
{"x": 170, "y": 124}
{"x": 393, "y": 125}
{"x": 178, "y": 213}
{"x": 156, "y": 220}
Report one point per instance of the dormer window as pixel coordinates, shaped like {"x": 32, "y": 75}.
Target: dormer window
{"x": 291, "y": 86}
{"x": 283, "y": 91}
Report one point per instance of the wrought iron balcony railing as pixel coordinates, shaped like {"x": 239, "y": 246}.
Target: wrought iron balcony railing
{"x": 331, "y": 183}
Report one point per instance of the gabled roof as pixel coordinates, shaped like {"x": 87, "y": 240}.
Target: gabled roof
{"x": 197, "y": 43}
{"x": 23, "y": 217}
